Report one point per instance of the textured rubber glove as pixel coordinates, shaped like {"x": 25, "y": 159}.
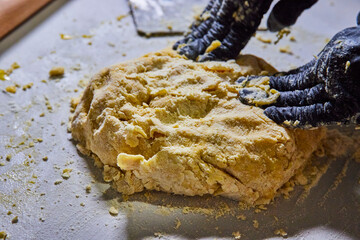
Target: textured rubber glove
{"x": 226, "y": 26}
{"x": 324, "y": 91}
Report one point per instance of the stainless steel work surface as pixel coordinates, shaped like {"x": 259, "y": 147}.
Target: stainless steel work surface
{"x": 52, "y": 209}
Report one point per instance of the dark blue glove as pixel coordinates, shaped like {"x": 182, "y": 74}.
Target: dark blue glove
{"x": 232, "y": 23}
{"x": 324, "y": 91}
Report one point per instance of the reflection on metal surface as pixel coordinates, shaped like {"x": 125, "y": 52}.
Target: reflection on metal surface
{"x": 164, "y": 17}
{"x": 48, "y": 211}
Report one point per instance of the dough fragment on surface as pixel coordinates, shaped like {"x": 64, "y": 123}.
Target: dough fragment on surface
{"x": 161, "y": 122}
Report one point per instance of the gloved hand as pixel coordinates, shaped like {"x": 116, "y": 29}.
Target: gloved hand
{"x": 225, "y": 26}
{"x": 324, "y": 91}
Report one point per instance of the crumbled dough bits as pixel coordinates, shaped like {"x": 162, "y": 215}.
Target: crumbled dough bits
{"x": 263, "y": 39}
{"x": 65, "y": 36}
{"x": 88, "y": 188}
{"x": 15, "y": 220}
{"x": 66, "y": 173}
{"x": 236, "y": 235}
{"x": 57, "y": 182}
{"x": 3, "y": 235}
{"x": 281, "y": 232}
{"x": 113, "y": 211}
{"x": 285, "y": 49}
{"x": 57, "y": 71}
{"x": 11, "y": 89}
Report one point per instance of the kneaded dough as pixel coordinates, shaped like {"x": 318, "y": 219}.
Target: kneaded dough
{"x": 161, "y": 122}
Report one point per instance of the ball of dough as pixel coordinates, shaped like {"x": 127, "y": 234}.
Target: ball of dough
{"x": 162, "y": 122}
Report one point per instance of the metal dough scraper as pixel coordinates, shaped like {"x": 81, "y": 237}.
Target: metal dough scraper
{"x": 164, "y": 17}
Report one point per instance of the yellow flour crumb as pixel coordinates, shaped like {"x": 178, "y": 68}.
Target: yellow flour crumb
{"x": 292, "y": 39}
{"x": 347, "y": 65}
{"x": 280, "y": 232}
{"x": 27, "y": 86}
{"x": 3, "y": 235}
{"x": 214, "y": 45}
{"x": 285, "y": 49}
{"x": 57, "y": 71}
{"x": 177, "y": 224}
{"x": 11, "y": 89}
{"x": 66, "y": 173}
{"x": 263, "y": 39}
{"x": 120, "y": 17}
{"x": 283, "y": 32}
{"x": 3, "y": 75}
{"x": 65, "y": 36}
{"x": 236, "y": 235}
{"x": 255, "y": 224}
{"x": 15, "y": 220}
{"x": 88, "y": 188}
{"x": 15, "y": 65}
{"x": 113, "y": 211}
{"x": 57, "y": 182}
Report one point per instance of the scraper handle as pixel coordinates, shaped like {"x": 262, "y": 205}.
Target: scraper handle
{"x": 14, "y": 12}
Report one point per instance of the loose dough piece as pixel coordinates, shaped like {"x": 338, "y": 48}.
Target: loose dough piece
{"x": 161, "y": 122}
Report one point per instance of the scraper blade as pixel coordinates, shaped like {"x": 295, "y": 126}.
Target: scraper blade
{"x": 164, "y": 17}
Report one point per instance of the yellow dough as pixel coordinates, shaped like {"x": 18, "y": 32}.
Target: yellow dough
{"x": 161, "y": 122}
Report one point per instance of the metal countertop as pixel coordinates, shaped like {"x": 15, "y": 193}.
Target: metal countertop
{"x": 66, "y": 211}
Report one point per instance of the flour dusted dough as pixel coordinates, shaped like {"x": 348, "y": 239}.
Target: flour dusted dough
{"x": 162, "y": 122}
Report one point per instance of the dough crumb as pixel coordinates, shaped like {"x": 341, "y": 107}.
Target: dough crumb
{"x": 283, "y": 32}
{"x": 15, "y": 220}
{"x": 66, "y": 173}
{"x": 65, "y": 36}
{"x": 236, "y": 235}
{"x": 57, "y": 72}
{"x": 255, "y": 223}
{"x": 27, "y": 86}
{"x": 113, "y": 211}
{"x": 241, "y": 217}
{"x": 11, "y": 89}
{"x": 280, "y": 232}
{"x": 159, "y": 234}
{"x": 57, "y": 182}
{"x": 285, "y": 49}
{"x": 214, "y": 45}
{"x": 120, "y": 17}
{"x": 177, "y": 224}
{"x": 88, "y": 188}
{"x": 263, "y": 39}
{"x": 3, "y": 235}
{"x": 3, "y": 75}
